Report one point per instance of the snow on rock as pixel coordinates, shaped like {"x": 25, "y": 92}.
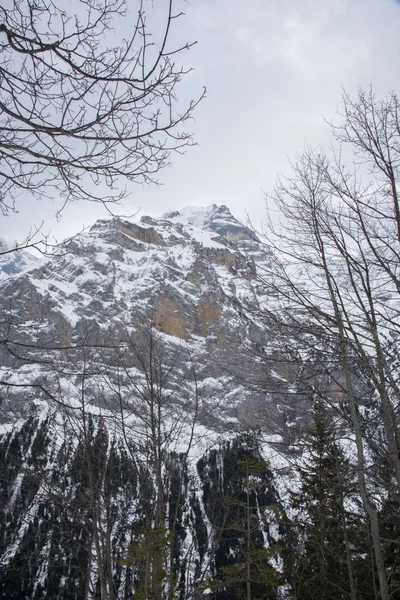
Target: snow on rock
{"x": 14, "y": 261}
{"x": 125, "y": 314}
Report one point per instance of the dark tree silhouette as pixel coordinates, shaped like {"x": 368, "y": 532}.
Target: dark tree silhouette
{"x": 80, "y": 106}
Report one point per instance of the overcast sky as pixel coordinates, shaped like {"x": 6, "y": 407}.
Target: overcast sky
{"x": 274, "y": 70}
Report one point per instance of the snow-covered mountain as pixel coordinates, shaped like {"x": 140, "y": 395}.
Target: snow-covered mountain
{"x": 190, "y": 275}
{"x": 132, "y": 378}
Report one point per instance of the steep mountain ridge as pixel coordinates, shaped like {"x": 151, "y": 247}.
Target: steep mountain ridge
{"x": 127, "y": 264}
{"x": 180, "y": 272}
{"x": 129, "y": 374}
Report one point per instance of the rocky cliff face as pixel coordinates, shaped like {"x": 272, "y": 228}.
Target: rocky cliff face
{"x": 189, "y": 275}
{"x": 130, "y": 368}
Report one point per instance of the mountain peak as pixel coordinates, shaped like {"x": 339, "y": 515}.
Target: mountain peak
{"x": 217, "y": 218}
{"x": 212, "y": 225}
{"x": 201, "y": 216}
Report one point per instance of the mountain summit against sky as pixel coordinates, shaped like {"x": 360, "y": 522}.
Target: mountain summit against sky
{"x": 213, "y": 217}
{"x": 127, "y": 318}
{"x": 189, "y": 273}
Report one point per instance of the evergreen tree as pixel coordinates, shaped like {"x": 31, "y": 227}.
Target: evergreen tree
{"x": 251, "y": 576}
{"x": 246, "y": 550}
{"x": 324, "y": 568}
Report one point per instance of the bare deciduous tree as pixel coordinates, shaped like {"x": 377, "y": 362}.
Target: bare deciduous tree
{"x": 81, "y": 107}
{"x": 155, "y": 391}
{"x": 336, "y": 274}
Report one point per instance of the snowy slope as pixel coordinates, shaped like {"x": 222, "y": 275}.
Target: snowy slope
{"x": 133, "y": 335}
{"x": 189, "y": 274}
{"x": 14, "y": 262}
